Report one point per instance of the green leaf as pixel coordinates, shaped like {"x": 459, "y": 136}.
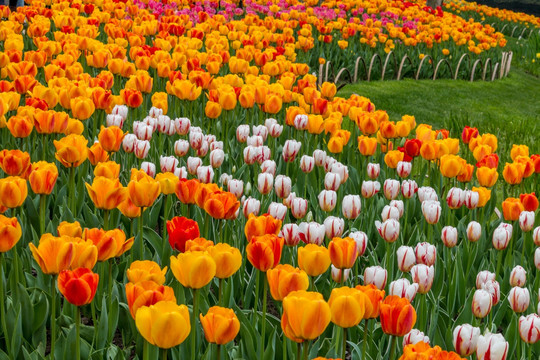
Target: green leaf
{"x": 103, "y": 326}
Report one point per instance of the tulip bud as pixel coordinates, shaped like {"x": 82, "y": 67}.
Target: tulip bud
{"x": 427, "y": 193}
{"x": 290, "y": 233}
{"x": 164, "y": 124}
{"x": 425, "y": 253}
{"x": 307, "y": 163}
{"x": 193, "y": 164}
{"x": 361, "y": 240}
{"x": 299, "y": 207}
{"x": 155, "y": 112}
{"x": 168, "y": 163}
{"x": 493, "y": 288}
{"x": 311, "y": 233}
{"x": 290, "y": 150}
{"x": 373, "y": 170}
{"x": 390, "y": 212}
{"x": 334, "y": 227}
{"x": 537, "y": 258}
{"x": 205, "y": 174}
{"x": 142, "y": 130}
{"x": 404, "y": 289}
{"x": 519, "y": 299}
{"x": 216, "y": 145}
{"x": 406, "y": 258}
{"x": 351, "y": 206}
{"x": 121, "y": 110}
{"x": 203, "y": 149}
{"x": 275, "y": 130}
{"x": 181, "y": 172}
{"x": 471, "y": 199}
{"x": 181, "y": 147}
{"x": 269, "y": 167}
{"x": 408, "y": 188}
{"x": 370, "y": 188}
{"x": 327, "y": 200}
{"x": 432, "y": 211}
{"x": 260, "y": 130}
{"x": 255, "y": 141}
{"x": 449, "y": 236}
{"x": 319, "y": 156}
{"x": 536, "y": 236}
{"x": 340, "y": 275}
{"x": 375, "y": 275}
{"x": 474, "y": 231}
{"x": 141, "y": 148}
{"x": 250, "y": 155}
{"x": 242, "y": 133}
{"x": 115, "y": 120}
{"x": 389, "y": 230}
{"x": 501, "y": 237}
{"x": 341, "y": 170}
{"x": 277, "y": 210}
{"x": 300, "y": 122}
{"x": 332, "y": 181}
{"x": 251, "y": 206}
{"x": 128, "y": 143}
{"x": 423, "y": 275}
{"x": 265, "y": 183}
{"x": 149, "y": 168}
{"x": 492, "y": 347}
{"x": 483, "y": 277}
{"x": 328, "y": 163}
{"x": 413, "y": 337}
{"x": 182, "y": 125}
{"x": 282, "y": 186}
{"x": 526, "y": 220}
{"x": 481, "y": 303}
{"x": 196, "y": 139}
{"x": 518, "y": 276}
{"x": 465, "y": 339}
{"x": 236, "y": 187}
{"x": 455, "y": 198}
{"x": 398, "y": 204}
{"x": 391, "y": 188}
{"x": 225, "y": 178}
{"x": 149, "y": 122}
{"x": 404, "y": 169}
{"x": 529, "y": 328}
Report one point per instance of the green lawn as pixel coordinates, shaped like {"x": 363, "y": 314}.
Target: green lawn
{"x": 509, "y": 108}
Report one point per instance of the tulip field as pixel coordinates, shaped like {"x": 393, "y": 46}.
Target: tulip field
{"x": 178, "y": 183}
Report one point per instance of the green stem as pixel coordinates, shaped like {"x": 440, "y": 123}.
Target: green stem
{"x": 194, "y": 321}
{"x": 344, "y": 349}
{"x": 78, "y": 332}
{"x": 393, "y": 348}
{"x": 42, "y": 209}
{"x": 364, "y": 344}
{"x": 110, "y": 284}
{"x": 163, "y": 354}
{"x": 16, "y": 266}
{"x": 72, "y": 190}
{"x": 2, "y": 309}
{"x": 146, "y": 355}
{"x": 284, "y": 347}
{"x": 106, "y": 219}
{"x": 257, "y": 286}
{"x": 306, "y": 350}
{"x": 220, "y": 290}
{"x": 141, "y": 238}
{"x": 499, "y": 262}
{"x": 265, "y": 295}
{"x": 53, "y": 314}
{"x": 218, "y": 352}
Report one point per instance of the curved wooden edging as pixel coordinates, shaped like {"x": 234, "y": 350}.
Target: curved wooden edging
{"x": 405, "y": 57}
{"x": 386, "y": 63}
{"x": 358, "y": 59}
{"x": 343, "y": 70}
{"x": 422, "y": 63}
{"x": 494, "y": 72}
{"x": 459, "y": 64}
{"x": 478, "y": 61}
{"x": 375, "y": 56}
{"x": 439, "y": 64}
{"x": 488, "y": 62}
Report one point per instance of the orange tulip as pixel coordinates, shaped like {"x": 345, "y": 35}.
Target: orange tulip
{"x": 131, "y": 97}
{"x": 220, "y": 325}
{"x": 143, "y": 190}
{"x": 392, "y": 158}
{"x": 110, "y": 243}
{"x": 71, "y": 150}
{"x": 222, "y": 205}
{"x": 13, "y": 191}
{"x": 347, "y": 306}
{"x": 97, "y": 154}
{"x": 198, "y": 244}
{"x": 264, "y": 252}
{"x": 85, "y": 253}
{"x": 186, "y": 190}
{"x": 43, "y": 177}
{"x": 20, "y": 126}
{"x": 367, "y": 145}
{"x": 128, "y": 209}
{"x": 429, "y": 150}
{"x": 512, "y": 207}
{"x": 343, "y": 252}
{"x": 451, "y": 165}
{"x": 53, "y": 254}
{"x": 168, "y": 182}
{"x": 529, "y": 201}
{"x": 328, "y": 90}
{"x": 10, "y": 233}
{"x": 69, "y": 229}
{"x": 111, "y": 138}
{"x": 82, "y": 107}
{"x": 313, "y": 259}
{"x": 78, "y": 286}
{"x": 513, "y": 173}
{"x": 106, "y": 193}
{"x": 194, "y": 269}
{"x": 305, "y": 315}
{"x": 261, "y": 225}
{"x": 519, "y": 150}
{"x": 146, "y": 270}
{"x": 284, "y": 279}
{"x": 375, "y": 297}
{"x": 15, "y": 163}
{"x": 108, "y": 169}
{"x": 212, "y": 110}
{"x": 487, "y": 177}
{"x": 228, "y": 259}
{"x": 146, "y": 293}
{"x": 397, "y": 316}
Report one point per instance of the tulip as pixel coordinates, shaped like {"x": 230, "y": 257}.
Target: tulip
{"x": 413, "y": 337}
{"x": 264, "y": 252}
{"x": 284, "y": 279}
{"x": 474, "y": 231}
{"x": 128, "y": 143}
{"x": 71, "y": 150}
{"x": 236, "y": 187}
{"x": 512, "y": 209}
{"x": 78, "y": 286}
{"x": 493, "y": 288}
{"x": 299, "y": 207}
{"x": 307, "y": 163}
{"x": 343, "y": 252}
{"x": 327, "y": 200}
{"x": 526, "y": 220}
{"x": 142, "y": 189}
{"x": 261, "y": 225}
{"x": 180, "y": 230}
{"x": 501, "y": 237}
{"x": 397, "y": 316}
{"x": 10, "y": 233}
{"x": 277, "y": 210}
{"x": 268, "y": 166}
{"x": 471, "y": 199}
{"x": 220, "y": 325}
{"x": 403, "y": 288}
{"x": 333, "y": 227}
{"x": 388, "y": 230}
{"x": 465, "y": 339}
{"x": 193, "y": 164}
{"x": 194, "y": 269}
{"x": 311, "y": 233}
{"x": 390, "y": 212}
{"x": 351, "y": 206}
{"x": 431, "y": 209}
{"x": 513, "y": 173}
{"x": 391, "y": 188}
{"x": 427, "y": 193}
{"x": 481, "y": 303}
{"x": 347, "y": 306}
{"x": 106, "y": 193}
{"x": 109, "y": 244}
{"x": 536, "y": 236}
{"x": 492, "y": 347}
{"x": 518, "y": 276}
{"x": 148, "y": 168}
{"x": 483, "y": 277}
{"x": 375, "y": 275}
{"x": 15, "y": 163}
{"x": 449, "y": 236}
{"x": 146, "y": 293}
{"x": 408, "y": 188}
{"x": 141, "y": 149}
{"x": 332, "y": 181}
{"x": 251, "y": 206}
{"x": 455, "y": 198}
{"x": 227, "y": 258}
{"x": 205, "y": 174}
{"x": 519, "y": 299}
{"x": 298, "y": 308}
{"x": 290, "y": 150}
{"x": 13, "y": 191}
{"x": 529, "y": 328}
{"x": 398, "y": 204}
{"x": 404, "y": 169}
{"x": 370, "y": 188}
{"x": 146, "y": 270}
{"x": 373, "y": 171}
{"x": 164, "y": 324}
{"x": 406, "y": 258}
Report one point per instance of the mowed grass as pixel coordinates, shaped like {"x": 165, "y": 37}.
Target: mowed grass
{"x": 508, "y": 108}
